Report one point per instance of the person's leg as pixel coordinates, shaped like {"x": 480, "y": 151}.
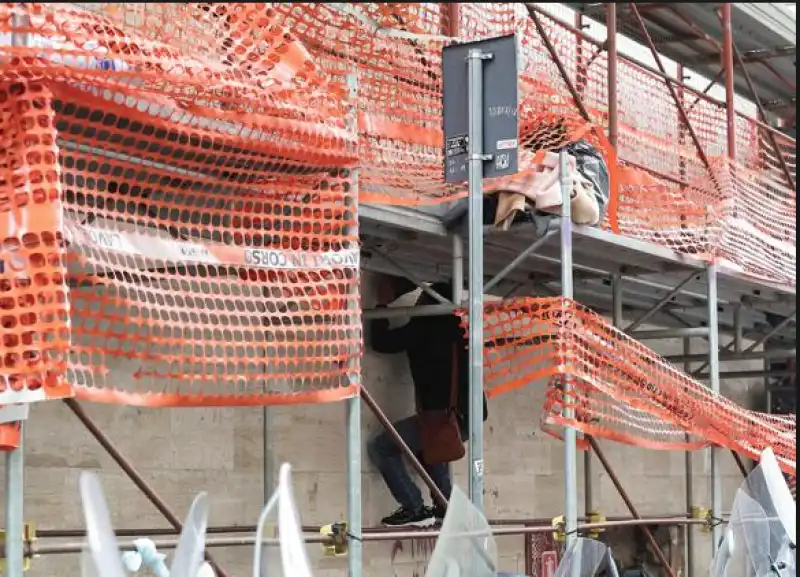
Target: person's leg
{"x": 442, "y": 476}
{"x": 388, "y": 458}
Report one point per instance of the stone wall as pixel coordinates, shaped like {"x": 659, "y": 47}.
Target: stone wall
{"x": 221, "y": 451}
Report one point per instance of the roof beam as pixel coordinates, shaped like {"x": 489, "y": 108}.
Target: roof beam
{"x": 750, "y": 55}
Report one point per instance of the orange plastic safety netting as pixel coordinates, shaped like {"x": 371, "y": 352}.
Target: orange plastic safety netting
{"x": 618, "y": 388}
{"x": 667, "y": 187}
{"x": 177, "y": 211}
{"x": 394, "y": 54}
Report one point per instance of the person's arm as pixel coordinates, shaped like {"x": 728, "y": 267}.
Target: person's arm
{"x": 388, "y": 340}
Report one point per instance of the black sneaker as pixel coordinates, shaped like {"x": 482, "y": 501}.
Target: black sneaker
{"x": 438, "y": 513}
{"x": 422, "y": 517}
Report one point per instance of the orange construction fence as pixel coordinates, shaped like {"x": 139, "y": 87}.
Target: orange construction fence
{"x": 618, "y": 389}
{"x": 178, "y": 214}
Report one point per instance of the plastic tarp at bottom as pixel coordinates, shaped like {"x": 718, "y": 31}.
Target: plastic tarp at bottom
{"x": 760, "y": 537}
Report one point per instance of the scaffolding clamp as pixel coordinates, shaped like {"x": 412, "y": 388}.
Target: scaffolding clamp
{"x": 702, "y": 514}
{"x": 596, "y": 517}
{"x": 336, "y": 543}
{"x": 558, "y": 523}
{"x": 28, "y": 538}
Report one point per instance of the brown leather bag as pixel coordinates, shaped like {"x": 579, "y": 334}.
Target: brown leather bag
{"x": 439, "y": 431}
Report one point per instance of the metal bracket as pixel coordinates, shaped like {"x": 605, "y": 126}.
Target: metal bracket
{"x": 336, "y": 543}
{"x": 478, "y": 55}
{"x": 596, "y": 517}
{"x": 28, "y": 538}
{"x": 558, "y": 523}
{"x": 702, "y": 514}
{"x": 481, "y": 157}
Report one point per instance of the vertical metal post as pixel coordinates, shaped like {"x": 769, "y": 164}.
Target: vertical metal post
{"x": 454, "y": 19}
{"x": 267, "y": 465}
{"x": 15, "y": 525}
{"x": 15, "y": 462}
{"x": 616, "y": 318}
{"x": 738, "y": 339}
{"x": 713, "y": 381}
{"x": 767, "y": 382}
{"x": 458, "y": 270}
{"x": 581, "y": 64}
{"x": 570, "y": 434}
{"x": 476, "y": 157}
{"x": 611, "y": 47}
{"x": 689, "y": 468}
{"x": 355, "y": 557}
{"x": 730, "y": 91}
{"x": 458, "y": 282}
{"x": 713, "y": 334}
{"x": 616, "y": 300}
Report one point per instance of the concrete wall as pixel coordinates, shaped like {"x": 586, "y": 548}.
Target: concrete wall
{"x": 220, "y": 450}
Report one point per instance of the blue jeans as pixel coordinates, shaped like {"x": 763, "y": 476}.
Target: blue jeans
{"x": 388, "y": 458}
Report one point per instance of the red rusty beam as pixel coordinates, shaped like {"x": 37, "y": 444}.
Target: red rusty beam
{"x": 717, "y": 47}
{"x": 128, "y": 468}
{"x": 791, "y": 85}
{"x": 404, "y": 448}
{"x": 557, "y": 61}
{"x": 730, "y": 80}
{"x": 711, "y": 84}
{"x": 453, "y": 10}
{"x": 787, "y": 174}
{"x": 629, "y": 504}
{"x": 729, "y": 52}
{"x": 683, "y": 114}
{"x": 581, "y": 65}
{"x": 647, "y": 68}
{"x": 613, "y": 57}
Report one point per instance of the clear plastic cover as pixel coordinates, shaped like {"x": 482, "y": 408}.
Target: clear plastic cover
{"x": 759, "y": 540}
{"x": 465, "y": 547}
{"x": 585, "y": 558}
{"x": 102, "y": 555}
{"x": 188, "y": 556}
{"x": 292, "y": 560}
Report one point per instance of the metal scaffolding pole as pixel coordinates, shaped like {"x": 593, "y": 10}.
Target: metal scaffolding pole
{"x": 457, "y": 282}
{"x": 131, "y": 472}
{"x": 15, "y": 524}
{"x": 713, "y": 380}
{"x": 15, "y": 458}
{"x": 689, "y": 468}
{"x": 355, "y": 557}
{"x": 570, "y": 434}
{"x": 476, "y": 158}
{"x": 659, "y": 334}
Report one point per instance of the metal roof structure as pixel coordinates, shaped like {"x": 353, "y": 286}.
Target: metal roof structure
{"x": 692, "y": 33}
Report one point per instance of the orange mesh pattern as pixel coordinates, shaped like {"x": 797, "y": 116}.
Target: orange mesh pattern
{"x": 400, "y": 90}
{"x": 34, "y": 312}
{"x": 663, "y": 191}
{"x": 620, "y": 389}
{"x": 193, "y": 187}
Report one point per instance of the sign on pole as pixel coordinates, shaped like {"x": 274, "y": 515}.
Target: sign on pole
{"x": 480, "y": 130}
{"x": 499, "y": 111}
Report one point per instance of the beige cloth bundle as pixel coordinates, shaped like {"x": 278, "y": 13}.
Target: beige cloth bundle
{"x": 543, "y": 190}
